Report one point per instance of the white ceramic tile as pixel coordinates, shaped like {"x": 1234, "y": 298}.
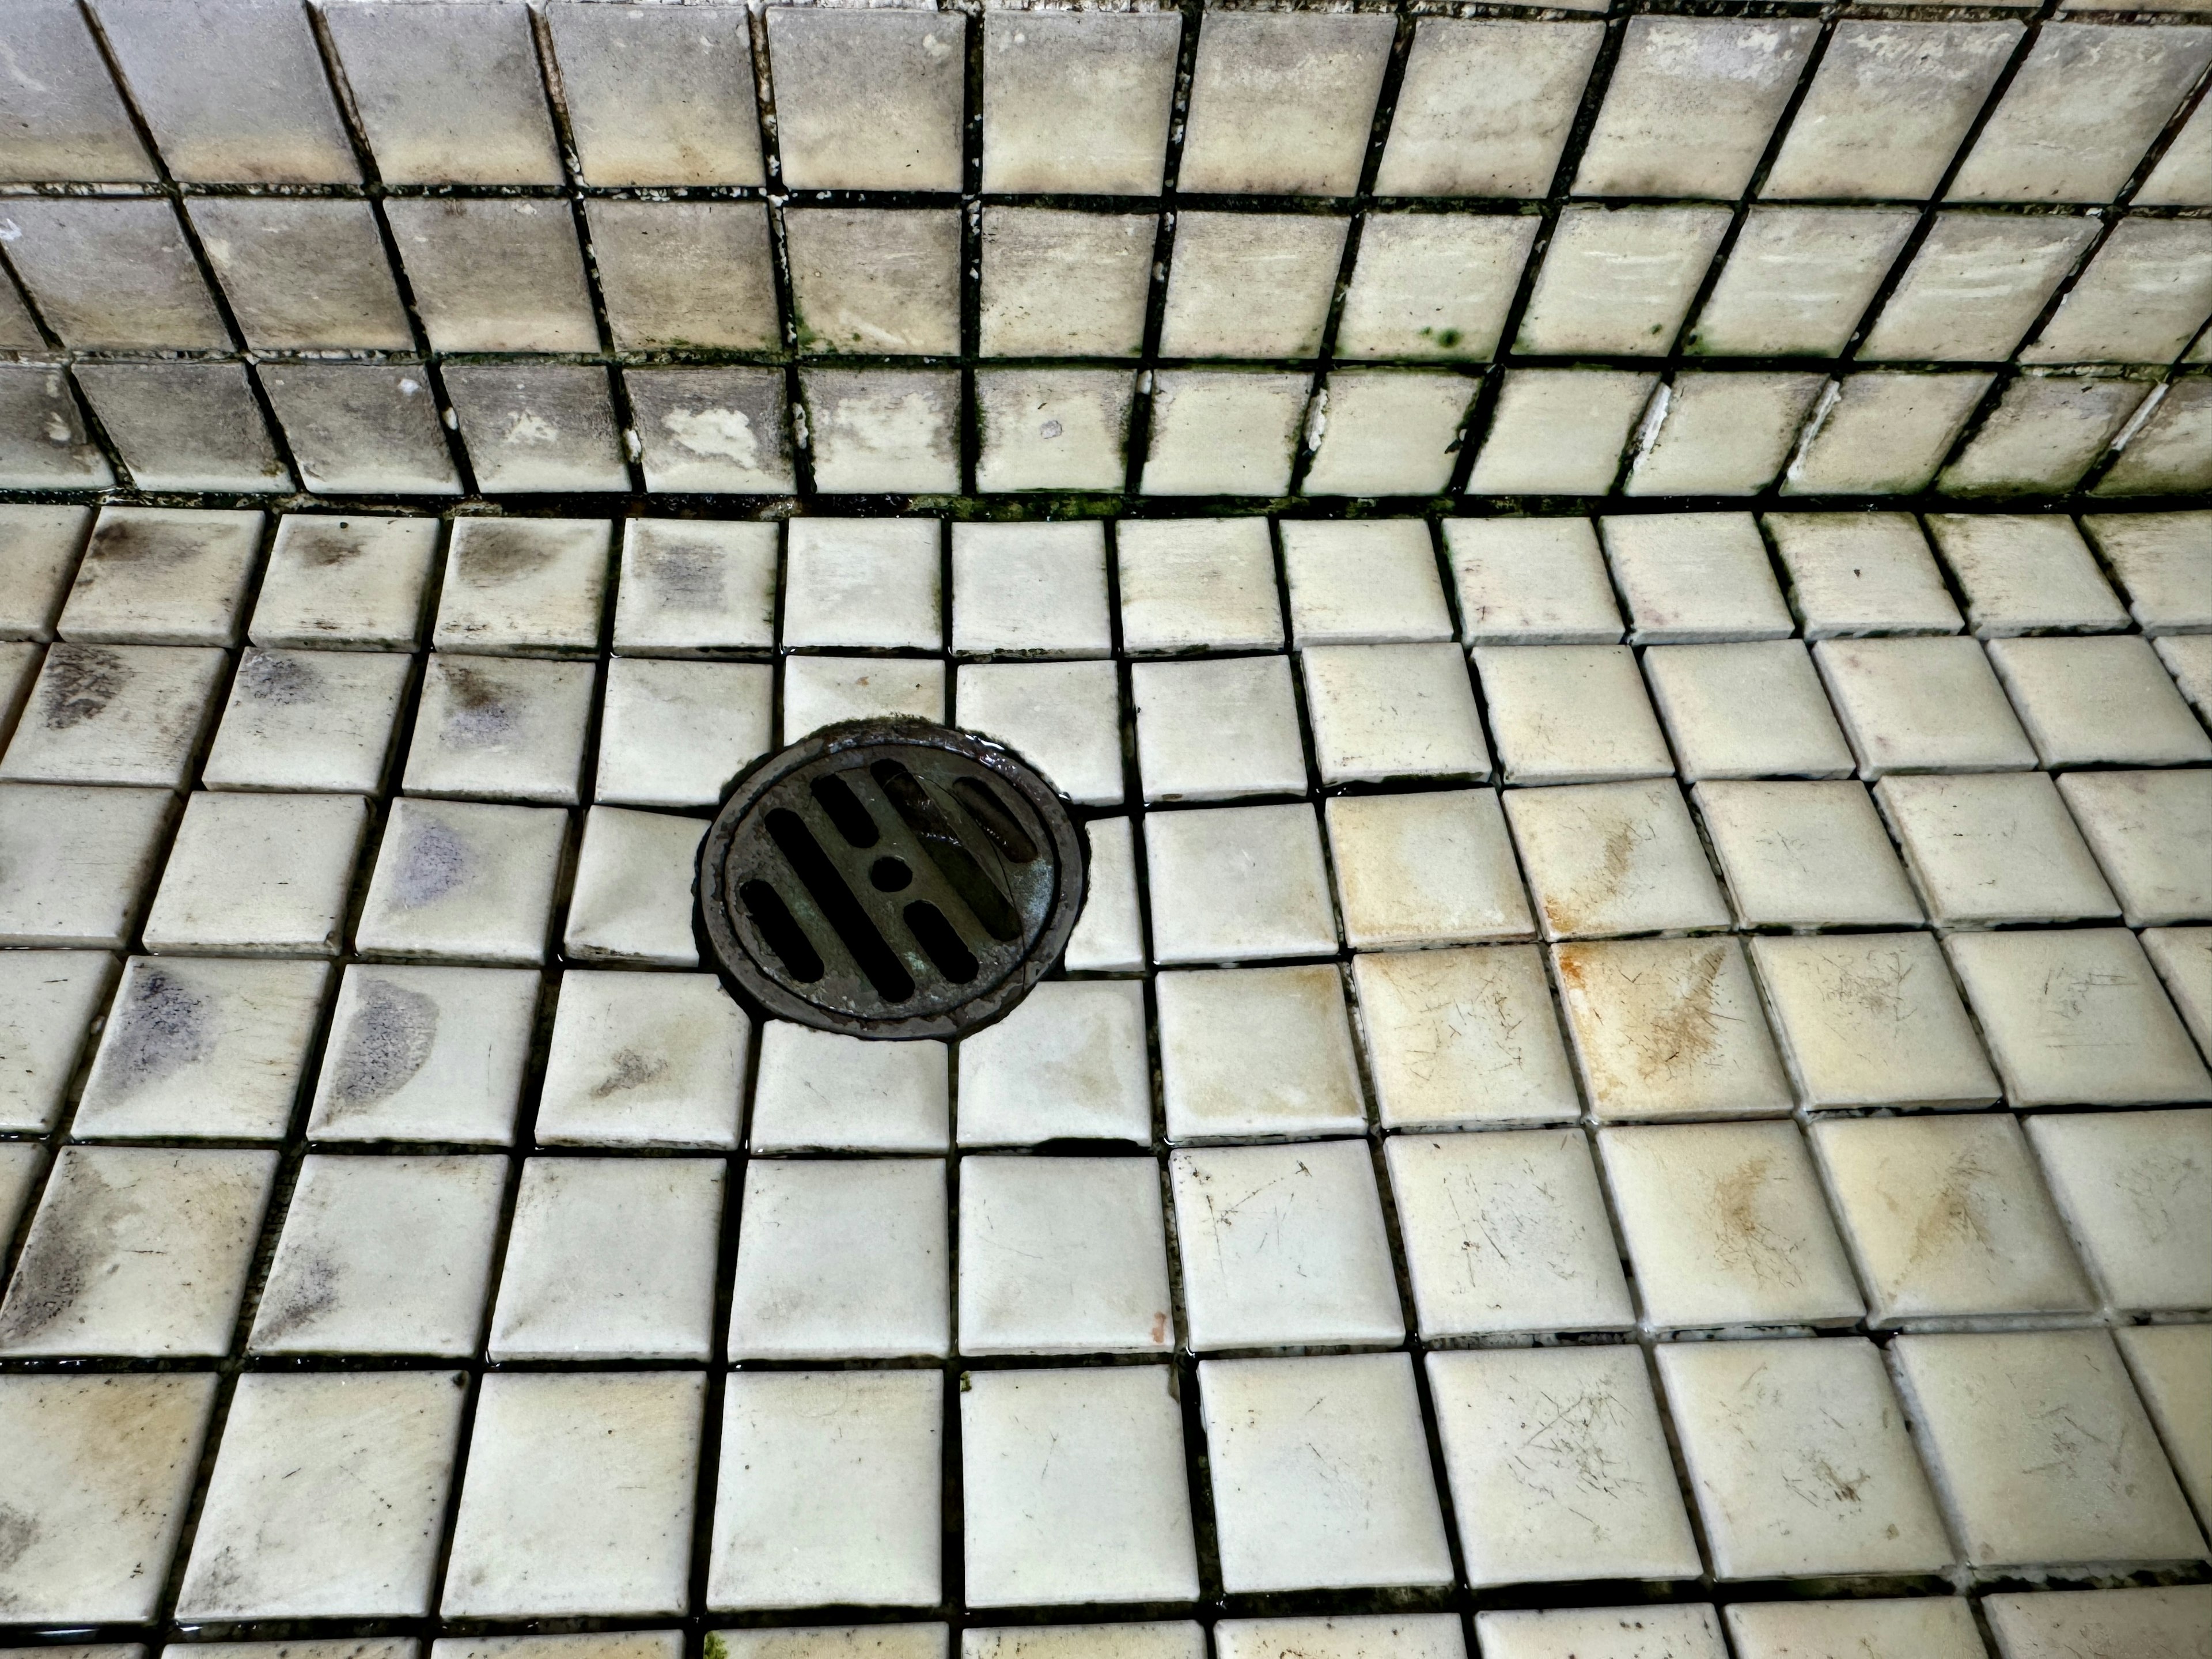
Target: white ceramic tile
{"x": 650, "y": 96}
{"x": 260, "y": 875}
{"x": 356, "y": 582}
{"x": 500, "y": 728}
{"x": 898, "y": 1641}
{"x": 1694, "y": 577}
{"x": 1532, "y": 581}
{"x": 1283, "y": 1245}
{"x": 1569, "y": 714}
{"x": 1237, "y": 884}
{"x": 2154, "y": 1623}
{"x": 425, "y": 1053}
{"x": 1993, "y": 848}
{"x": 677, "y": 733}
{"x": 1462, "y": 1037}
{"x": 1362, "y": 582}
{"x": 874, "y": 430}
{"x": 19, "y": 666}
{"x": 1321, "y": 1473}
{"x": 1560, "y": 429}
{"x": 1387, "y": 432}
{"x": 2184, "y": 956}
{"x": 1723, "y": 433}
{"x": 1559, "y": 1466}
{"x": 875, "y": 280}
{"x": 1433, "y": 868}
{"x": 83, "y": 860}
{"x": 1638, "y": 1633}
{"x": 42, "y": 543}
{"x": 1109, "y": 933}
{"x": 1197, "y": 584}
{"x": 523, "y": 585}
{"x": 867, "y": 100}
{"x": 1216, "y": 729}
{"x": 1433, "y": 285}
{"x": 1061, "y": 284}
{"x": 1872, "y": 1019}
{"x": 868, "y": 582}
{"x": 1797, "y": 280}
{"x": 697, "y": 274}
{"x": 1506, "y": 1231}
{"x": 1804, "y": 855}
{"x": 1922, "y": 1627}
{"x": 578, "y": 1496}
{"x": 818, "y": 1090}
{"x": 1669, "y": 1028}
{"x": 819, "y": 691}
{"x": 2189, "y": 659}
{"x": 632, "y": 899}
{"x": 610, "y": 1258}
{"x": 2046, "y": 431}
{"x": 1617, "y": 281}
{"x": 1068, "y": 1063}
{"x": 2040, "y": 1449}
{"x": 690, "y": 586}
{"x": 643, "y": 1060}
{"x": 1053, "y": 428}
{"x": 1250, "y": 284}
{"x": 604, "y": 1644}
{"x": 2140, "y": 299}
{"x": 1661, "y": 132}
{"x": 2146, "y": 830}
{"x": 1257, "y": 1052}
{"x": 1029, "y": 589}
{"x": 507, "y": 275}
{"x": 383, "y": 1255}
{"x": 2024, "y": 575}
{"x": 328, "y": 1498}
{"x": 157, "y": 576}
{"x": 1948, "y": 1218}
{"x": 2136, "y": 1191}
{"x": 2172, "y": 1366}
{"x": 1063, "y": 1255}
{"x": 101, "y": 714}
{"x": 1078, "y": 101}
{"x": 197, "y": 1047}
{"x": 136, "y": 1251}
{"x": 1352, "y": 1636}
{"x": 1922, "y": 705}
{"x": 1726, "y": 1227}
{"x": 841, "y": 1259}
{"x": 409, "y": 71}
{"x": 1614, "y": 857}
{"x": 1386, "y": 711}
{"x": 309, "y": 719}
{"x": 1798, "y": 1454}
{"x": 1065, "y": 717}
{"x": 2076, "y": 1016}
{"x": 463, "y": 881}
{"x": 2163, "y": 562}
{"x": 1976, "y": 284}
{"x": 1746, "y": 711}
{"x": 1283, "y": 103}
{"x": 1862, "y": 573}
{"x": 1092, "y": 1458}
{"x": 48, "y": 1002}
{"x": 103, "y": 1471}
{"x": 1485, "y": 107}
{"x": 839, "y": 1500}
{"x": 1883, "y": 433}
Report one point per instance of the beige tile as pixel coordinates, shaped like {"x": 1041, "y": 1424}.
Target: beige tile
{"x": 1985, "y": 849}
{"x": 1923, "y": 1628}
{"x": 1462, "y": 1037}
{"x": 1872, "y": 1019}
{"x": 1433, "y": 868}
{"x": 2172, "y": 1367}
{"x": 1669, "y": 1028}
{"x": 2136, "y": 1191}
{"x": 1614, "y": 858}
{"x": 1257, "y": 1052}
{"x": 1805, "y": 855}
{"x": 2150, "y": 1624}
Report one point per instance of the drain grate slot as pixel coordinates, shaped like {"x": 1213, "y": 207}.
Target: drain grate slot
{"x": 889, "y": 878}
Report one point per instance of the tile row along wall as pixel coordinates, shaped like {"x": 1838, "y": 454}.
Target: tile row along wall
{"x": 384, "y": 249}
{"x": 1517, "y": 950}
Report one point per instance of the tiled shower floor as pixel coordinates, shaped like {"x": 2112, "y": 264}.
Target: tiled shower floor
{"x": 1655, "y": 1150}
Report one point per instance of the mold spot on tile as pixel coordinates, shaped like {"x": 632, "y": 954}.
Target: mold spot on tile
{"x": 309, "y": 1291}
{"x": 387, "y": 1044}
{"x": 687, "y": 575}
{"x": 67, "y": 1247}
{"x": 494, "y": 554}
{"x": 79, "y": 682}
{"x": 162, "y": 1029}
{"x": 480, "y": 716}
{"x": 434, "y": 865}
{"x": 633, "y": 1069}
{"x": 18, "y": 1532}
{"x": 327, "y": 546}
{"x": 286, "y": 681}
{"x": 131, "y": 542}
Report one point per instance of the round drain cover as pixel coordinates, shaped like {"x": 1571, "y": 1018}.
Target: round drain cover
{"x": 891, "y": 879}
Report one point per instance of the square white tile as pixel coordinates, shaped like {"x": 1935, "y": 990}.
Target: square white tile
{"x": 1462, "y": 1037}
{"x": 635, "y": 875}
{"x": 1948, "y": 1218}
{"x": 1799, "y": 1457}
{"x": 500, "y": 728}
{"x": 1571, "y": 714}
{"x": 1862, "y": 573}
{"x": 425, "y": 1053}
{"x": 1559, "y": 1466}
{"x": 523, "y": 584}
{"x": 839, "y": 1498}
{"x": 2188, "y": 657}
{"x": 1362, "y": 582}
{"x": 1989, "y": 848}
{"x": 463, "y": 881}
{"x": 1726, "y": 1227}
{"x": 309, "y": 719}
{"x": 48, "y": 1002}
{"x": 1091, "y": 1459}
{"x": 1216, "y": 729}
{"x": 1250, "y": 284}
{"x": 1321, "y": 1473}
{"x": 1389, "y": 711}
{"x": 2161, "y": 562}
{"x": 1920, "y": 705}
{"x": 873, "y": 583}
{"x": 1238, "y": 883}
{"x": 2184, "y": 956}
{"x": 643, "y": 1060}
{"x": 199, "y": 1047}
{"x": 1506, "y": 1231}
{"x": 1078, "y": 103}
{"x": 115, "y": 713}
{"x": 841, "y": 1259}
{"x": 1532, "y": 581}
{"x": 1922, "y": 1628}
{"x": 1110, "y": 931}
{"x": 689, "y": 585}
{"x": 2146, "y": 830}
{"x": 2025, "y": 575}
{"x": 1872, "y": 1019}
{"x": 356, "y": 582}
{"x": 2136, "y": 1188}
{"x": 1805, "y": 855}
{"x": 1639, "y": 1632}
{"x": 578, "y": 1496}
{"x": 1257, "y": 1053}
{"x": 1063, "y": 1255}
{"x": 259, "y": 875}
{"x": 1690, "y": 578}
{"x": 1755, "y": 710}
{"x": 1064, "y": 718}
{"x": 82, "y": 863}
{"x": 1434, "y": 868}
{"x": 819, "y": 691}
{"x": 2104, "y": 700}
{"x": 1666, "y": 1028}
{"x": 383, "y": 1255}
{"x": 1030, "y": 590}
{"x": 2172, "y": 1367}
{"x": 43, "y": 543}
{"x": 1283, "y": 1246}
{"x": 1614, "y": 857}
{"x": 1347, "y": 1636}
{"x": 1197, "y": 585}
{"x": 154, "y": 575}
{"x": 817, "y": 1091}
{"x": 137, "y": 1251}
{"x": 1069, "y": 1063}
{"x": 2046, "y": 1625}
{"x": 677, "y": 733}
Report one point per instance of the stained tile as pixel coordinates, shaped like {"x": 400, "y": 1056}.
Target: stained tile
{"x": 1386, "y": 711}
{"x": 1063, "y": 1255}
{"x": 447, "y": 95}
{"x": 1200, "y": 584}
{"x": 1669, "y": 1028}
{"x": 1078, "y": 102}
{"x": 899, "y": 1641}
{"x": 1560, "y": 429}
{"x": 1569, "y": 714}
{"x": 1053, "y": 428}
{"x": 1109, "y": 932}
{"x": 112, "y": 272}
{"x": 658, "y": 98}
{"x": 841, "y": 1259}
{"x": 643, "y": 1060}
{"x": 2151, "y": 1622}
{"x": 1532, "y": 581}
{"x": 712, "y": 429}
{"x": 188, "y": 425}
{"x": 1057, "y": 284}
{"x": 1093, "y": 1457}
{"x": 1638, "y": 1633}
{"x": 383, "y": 1255}
{"x": 819, "y": 691}
{"x": 1250, "y": 285}
{"x": 1922, "y": 705}
{"x": 2024, "y": 575}
{"x": 1615, "y": 858}
{"x": 1064, "y": 718}
{"x": 1435, "y": 285}
{"x": 302, "y": 273}
{"x": 259, "y": 875}
{"x": 2184, "y": 956}
{"x": 819, "y": 1090}
{"x": 1657, "y": 133}
{"x": 425, "y": 1053}
{"x": 309, "y": 721}
{"x": 1924, "y": 1628}
{"x": 2146, "y": 830}
{"x": 684, "y": 274}
{"x": 465, "y": 881}
{"x": 2047, "y": 430}
{"x": 1257, "y": 1052}
{"x": 1462, "y": 1037}
{"x": 529, "y": 585}
{"x": 1485, "y": 106}
{"x": 1723, "y": 431}
{"x": 1872, "y": 1019}
{"x": 688, "y": 586}
{"x": 887, "y": 429}
{"x": 125, "y": 714}
{"x": 538, "y": 426}
{"x": 1976, "y": 284}
{"x": 1029, "y": 589}
{"x": 43, "y": 441}
{"x": 875, "y": 280}
{"x": 1353, "y": 1636}
{"x": 2141, "y": 299}
{"x": 677, "y": 733}
{"x": 2189, "y": 659}
{"x": 1069, "y": 1063}
{"x": 1883, "y": 433}
{"x": 632, "y": 899}
{"x": 1797, "y": 281}
{"x": 82, "y": 863}
{"x": 48, "y": 1002}
{"x": 2163, "y": 562}
{"x": 1226, "y": 432}
{"x": 496, "y": 274}
{"x": 1237, "y": 883}
{"x": 1283, "y": 103}
{"x": 43, "y": 543}
{"x": 1855, "y": 573}
{"x": 2136, "y": 1191}
{"x": 1432, "y": 868}
{"x": 1751, "y": 710}
{"x": 1803, "y": 855}
{"x": 1989, "y": 848}
{"x": 1619, "y": 281}
{"x": 362, "y": 426}
{"x": 1507, "y": 1232}
{"x": 69, "y": 121}
{"x": 872, "y": 583}
{"x": 867, "y": 100}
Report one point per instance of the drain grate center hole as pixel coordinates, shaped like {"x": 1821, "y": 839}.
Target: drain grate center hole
{"x": 891, "y": 875}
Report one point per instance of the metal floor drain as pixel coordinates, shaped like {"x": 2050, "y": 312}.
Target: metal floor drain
{"x": 891, "y": 879}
